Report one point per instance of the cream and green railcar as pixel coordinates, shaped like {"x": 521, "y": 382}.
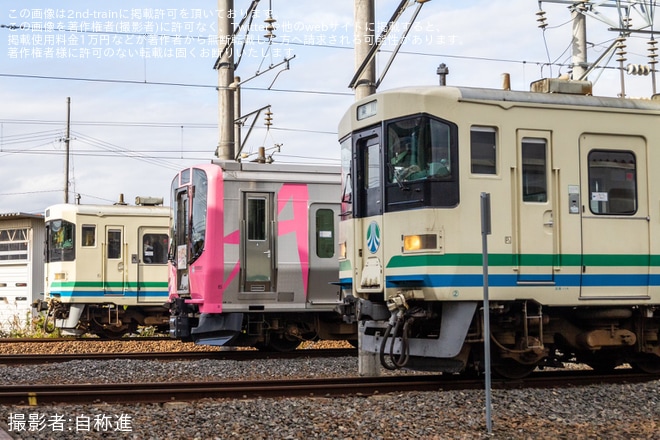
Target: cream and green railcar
{"x": 106, "y": 268}
{"x": 574, "y": 253}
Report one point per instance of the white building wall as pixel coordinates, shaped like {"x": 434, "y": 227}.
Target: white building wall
{"x": 21, "y": 279}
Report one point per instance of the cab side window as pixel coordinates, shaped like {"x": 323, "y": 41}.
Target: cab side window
{"x": 483, "y": 150}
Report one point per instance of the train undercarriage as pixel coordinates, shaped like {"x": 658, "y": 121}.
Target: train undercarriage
{"x": 107, "y": 321}
{"x": 266, "y": 331}
{"x": 524, "y": 335}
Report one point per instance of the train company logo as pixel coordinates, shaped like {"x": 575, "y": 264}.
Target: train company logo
{"x": 373, "y": 237}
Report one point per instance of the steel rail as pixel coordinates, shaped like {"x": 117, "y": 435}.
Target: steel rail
{"x": 36, "y": 394}
{"x": 237, "y": 355}
{"x": 91, "y": 340}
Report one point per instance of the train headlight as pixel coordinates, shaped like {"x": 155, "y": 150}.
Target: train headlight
{"x": 60, "y": 276}
{"x": 342, "y": 250}
{"x": 412, "y": 243}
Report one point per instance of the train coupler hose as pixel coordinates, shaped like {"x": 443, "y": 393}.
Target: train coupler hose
{"x": 50, "y": 317}
{"x": 396, "y": 328}
{"x": 399, "y": 326}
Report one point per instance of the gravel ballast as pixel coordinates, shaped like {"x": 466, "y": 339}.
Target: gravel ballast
{"x": 624, "y": 411}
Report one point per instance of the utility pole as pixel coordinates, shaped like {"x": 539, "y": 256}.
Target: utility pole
{"x": 66, "y": 143}
{"x": 236, "y": 88}
{"x": 225, "y": 66}
{"x": 579, "y": 43}
{"x": 364, "y": 86}
{"x": 364, "y": 35}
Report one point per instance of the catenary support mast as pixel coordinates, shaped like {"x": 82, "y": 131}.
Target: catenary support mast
{"x": 364, "y": 38}
{"x": 225, "y": 67}
{"x": 579, "y": 43}
{"x": 365, "y": 85}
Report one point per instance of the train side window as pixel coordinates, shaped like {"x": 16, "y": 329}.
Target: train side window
{"x": 483, "y": 150}
{"x": 256, "y": 226}
{"x": 114, "y": 244}
{"x": 346, "y": 178}
{"x": 88, "y": 236}
{"x": 325, "y": 233}
{"x": 372, "y": 179}
{"x": 534, "y": 166}
{"x": 612, "y": 182}
{"x": 154, "y": 248}
{"x": 369, "y": 181}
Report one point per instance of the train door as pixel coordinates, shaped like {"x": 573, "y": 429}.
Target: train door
{"x": 324, "y": 221}
{"x": 181, "y": 237}
{"x": 258, "y": 235}
{"x": 615, "y": 217}
{"x": 369, "y": 204}
{"x": 114, "y": 266}
{"x": 152, "y": 263}
{"x": 536, "y": 250}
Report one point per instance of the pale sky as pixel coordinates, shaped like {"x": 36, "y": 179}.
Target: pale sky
{"x": 142, "y": 86}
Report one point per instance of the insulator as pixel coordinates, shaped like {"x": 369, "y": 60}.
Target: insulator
{"x": 270, "y": 28}
{"x": 621, "y": 49}
{"x": 269, "y": 119}
{"x": 270, "y": 34}
{"x": 638, "y": 69}
{"x": 541, "y": 19}
{"x": 652, "y": 49}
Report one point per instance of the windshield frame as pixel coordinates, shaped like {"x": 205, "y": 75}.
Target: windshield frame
{"x": 60, "y": 241}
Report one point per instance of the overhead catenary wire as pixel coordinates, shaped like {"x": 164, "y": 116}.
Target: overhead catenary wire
{"x": 178, "y": 125}
{"x": 124, "y": 152}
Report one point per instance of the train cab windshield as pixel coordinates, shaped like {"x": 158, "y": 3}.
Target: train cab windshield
{"x": 421, "y": 160}
{"x": 60, "y": 241}
{"x": 412, "y": 162}
{"x": 188, "y": 233}
{"x": 418, "y": 148}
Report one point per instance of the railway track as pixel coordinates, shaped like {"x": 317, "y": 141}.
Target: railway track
{"x": 237, "y": 355}
{"x": 90, "y": 340}
{"x": 36, "y": 394}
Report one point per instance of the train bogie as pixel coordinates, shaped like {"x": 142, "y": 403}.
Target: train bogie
{"x": 573, "y": 240}
{"x": 256, "y": 255}
{"x": 106, "y": 268}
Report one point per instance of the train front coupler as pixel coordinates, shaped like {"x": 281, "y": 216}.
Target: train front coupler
{"x": 179, "y": 320}
{"x": 348, "y": 310}
{"x": 56, "y": 314}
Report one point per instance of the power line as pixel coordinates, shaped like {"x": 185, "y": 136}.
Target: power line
{"x": 22, "y": 150}
{"x": 31, "y": 137}
{"x": 107, "y": 146}
{"x": 189, "y": 125}
{"x": 177, "y": 125}
{"x": 171, "y": 84}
